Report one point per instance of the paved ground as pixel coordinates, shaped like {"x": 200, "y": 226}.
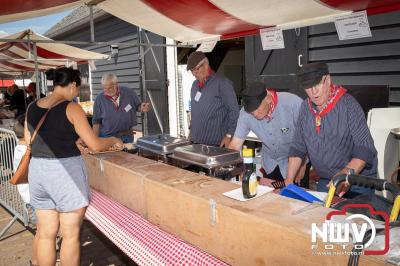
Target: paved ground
{"x": 96, "y": 250}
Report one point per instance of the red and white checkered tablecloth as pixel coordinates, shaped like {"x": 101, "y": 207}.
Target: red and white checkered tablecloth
{"x": 142, "y": 241}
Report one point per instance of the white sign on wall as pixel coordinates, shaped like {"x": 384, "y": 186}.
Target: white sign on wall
{"x": 353, "y": 26}
{"x": 272, "y": 38}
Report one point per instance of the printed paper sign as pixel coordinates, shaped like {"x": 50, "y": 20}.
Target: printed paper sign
{"x": 207, "y": 46}
{"x": 272, "y": 38}
{"x": 353, "y": 26}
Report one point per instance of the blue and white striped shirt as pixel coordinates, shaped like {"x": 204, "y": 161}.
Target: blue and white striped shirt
{"x": 344, "y": 135}
{"x": 215, "y": 114}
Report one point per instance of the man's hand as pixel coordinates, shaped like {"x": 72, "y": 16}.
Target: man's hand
{"x": 344, "y": 186}
{"x": 225, "y": 142}
{"x": 288, "y": 181}
{"x": 266, "y": 182}
{"x": 144, "y": 107}
{"x": 118, "y": 144}
{"x": 342, "y": 189}
{"x": 300, "y": 174}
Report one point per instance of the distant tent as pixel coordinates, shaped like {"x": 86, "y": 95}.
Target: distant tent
{"x": 18, "y": 57}
{"x": 17, "y": 10}
{"x": 6, "y": 83}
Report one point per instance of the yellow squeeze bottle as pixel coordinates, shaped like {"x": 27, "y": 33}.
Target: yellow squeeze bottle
{"x": 249, "y": 180}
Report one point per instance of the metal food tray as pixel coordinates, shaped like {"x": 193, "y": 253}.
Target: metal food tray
{"x": 206, "y": 156}
{"x": 396, "y": 132}
{"x": 160, "y": 144}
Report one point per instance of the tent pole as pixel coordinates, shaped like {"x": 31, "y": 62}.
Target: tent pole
{"x": 29, "y": 47}
{"x": 91, "y": 24}
{"x": 23, "y": 85}
{"x": 121, "y": 44}
{"x": 143, "y": 90}
{"x": 36, "y": 71}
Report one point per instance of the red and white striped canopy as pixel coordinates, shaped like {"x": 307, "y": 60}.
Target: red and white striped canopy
{"x": 193, "y": 21}
{"x": 12, "y": 10}
{"x": 17, "y": 57}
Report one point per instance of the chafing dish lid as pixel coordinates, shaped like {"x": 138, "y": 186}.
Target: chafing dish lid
{"x": 206, "y": 156}
{"x": 161, "y": 144}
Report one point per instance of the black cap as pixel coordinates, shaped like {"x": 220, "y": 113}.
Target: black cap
{"x": 253, "y": 96}
{"x": 311, "y": 74}
{"x": 194, "y": 59}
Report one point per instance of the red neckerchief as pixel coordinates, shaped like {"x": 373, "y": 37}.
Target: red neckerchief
{"x": 273, "y": 104}
{"x": 334, "y": 96}
{"x": 202, "y": 84}
{"x": 114, "y": 99}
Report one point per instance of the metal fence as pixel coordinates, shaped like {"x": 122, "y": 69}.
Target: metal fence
{"x": 9, "y": 195}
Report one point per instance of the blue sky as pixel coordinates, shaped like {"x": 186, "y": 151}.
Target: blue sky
{"x": 37, "y": 24}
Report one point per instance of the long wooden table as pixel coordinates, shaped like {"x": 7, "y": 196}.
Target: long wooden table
{"x": 263, "y": 231}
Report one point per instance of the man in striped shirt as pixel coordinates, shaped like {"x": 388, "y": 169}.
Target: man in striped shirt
{"x": 214, "y": 105}
{"x": 332, "y": 131}
{"x": 114, "y": 110}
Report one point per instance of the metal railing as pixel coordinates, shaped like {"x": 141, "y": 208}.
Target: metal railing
{"x": 9, "y": 195}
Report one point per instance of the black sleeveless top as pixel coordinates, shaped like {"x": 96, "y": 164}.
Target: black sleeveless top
{"x": 56, "y": 138}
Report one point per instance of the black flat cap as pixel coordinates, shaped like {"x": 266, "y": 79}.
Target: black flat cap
{"x": 311, "y": 74}
{"x": 194, "y": 59}
{"x": 253, "y": 95}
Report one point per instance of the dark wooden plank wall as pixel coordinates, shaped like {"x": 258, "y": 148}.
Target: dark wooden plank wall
{"x": 276, "y": 68}
{"x": 125, "y": 65}
{"x": 366, "y": 61}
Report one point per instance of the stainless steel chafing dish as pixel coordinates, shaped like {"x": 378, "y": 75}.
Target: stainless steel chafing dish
{"x": 159, "y": 146}
{"x": 396, "y": 132}
{"x": 215, "y": 160}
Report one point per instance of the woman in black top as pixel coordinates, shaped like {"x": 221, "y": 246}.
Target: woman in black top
{"x": 57, "y": 176}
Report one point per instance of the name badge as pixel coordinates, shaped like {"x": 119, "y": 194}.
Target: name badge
{"x": 128, "y": 108}
{"x": 197, "y": 96}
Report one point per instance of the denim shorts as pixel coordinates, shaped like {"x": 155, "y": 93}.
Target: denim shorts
{"x": 59, "y": 184}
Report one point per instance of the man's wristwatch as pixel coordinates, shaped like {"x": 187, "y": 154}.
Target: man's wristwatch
{"x": 228, "y": 135}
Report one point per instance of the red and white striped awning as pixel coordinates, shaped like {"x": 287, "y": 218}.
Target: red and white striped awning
{"x": 193, "y": 21}
{"x": 12, "y": 10}
{"x": 17, "y": 57}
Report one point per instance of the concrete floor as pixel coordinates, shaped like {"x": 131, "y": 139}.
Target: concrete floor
{"x": 96, "y": 250}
